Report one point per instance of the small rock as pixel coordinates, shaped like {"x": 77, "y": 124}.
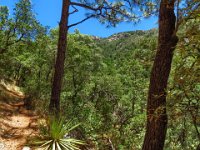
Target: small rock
{"x": 26, "y": 148}
{"x": 1, "y": 146}
{"x": 33, "y": 125}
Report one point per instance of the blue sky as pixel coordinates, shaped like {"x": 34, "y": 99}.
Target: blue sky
{"x": 49, "y": 11}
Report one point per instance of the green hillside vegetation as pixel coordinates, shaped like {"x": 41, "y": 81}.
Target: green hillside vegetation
{"x": 106, "y": 80}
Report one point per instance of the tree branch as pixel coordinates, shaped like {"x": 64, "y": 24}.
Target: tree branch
{"x": 74, "y": 24}
{"x": 75, "y": 10}
{"x": 85, "y": 6}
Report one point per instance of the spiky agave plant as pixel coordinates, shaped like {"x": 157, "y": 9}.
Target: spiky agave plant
{"x": 57, "y": 139}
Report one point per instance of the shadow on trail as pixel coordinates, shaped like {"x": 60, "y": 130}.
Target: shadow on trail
{"x": 17, "y": 123}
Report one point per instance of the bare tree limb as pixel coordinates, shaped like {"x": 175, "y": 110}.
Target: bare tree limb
{"x": 85, "y": 6}
{"x": 74, "y": 24}
{"x": 75, "y": 10}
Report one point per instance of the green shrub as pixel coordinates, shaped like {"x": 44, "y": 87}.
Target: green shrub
{"x": 57, "y": 136}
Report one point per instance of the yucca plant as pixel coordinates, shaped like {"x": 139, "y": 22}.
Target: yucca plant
{"x": 57, "y": 137}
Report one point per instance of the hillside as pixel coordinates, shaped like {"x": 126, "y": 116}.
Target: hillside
{"x": 135, "y": 90}
{"x": 105, "y": 86}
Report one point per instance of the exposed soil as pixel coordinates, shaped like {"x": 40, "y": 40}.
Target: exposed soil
{"x": 17, "y": 124}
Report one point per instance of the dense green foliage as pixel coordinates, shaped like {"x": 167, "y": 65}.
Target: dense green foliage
{"x": 106, "y": 79}
{"x": 184, "y": 88}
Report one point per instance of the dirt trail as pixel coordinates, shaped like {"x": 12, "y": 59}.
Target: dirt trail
{"x": 17, "y": 123}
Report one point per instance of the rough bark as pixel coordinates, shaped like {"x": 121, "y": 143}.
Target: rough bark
{"x": 54, "y": 105}
{"x": 156, "y": 105}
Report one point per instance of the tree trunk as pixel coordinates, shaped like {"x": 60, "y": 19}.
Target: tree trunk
{"x": 156, "y": 105}
{"x": 54, "y": 105}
